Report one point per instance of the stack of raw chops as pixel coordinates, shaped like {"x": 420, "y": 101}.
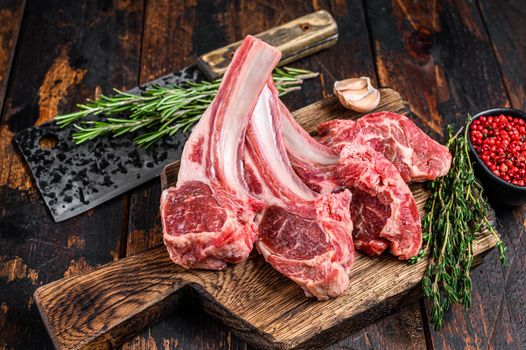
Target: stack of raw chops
{"x": 250, "y": 175}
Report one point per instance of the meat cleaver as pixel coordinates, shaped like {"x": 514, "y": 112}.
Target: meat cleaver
{"x": 75, "y": 178}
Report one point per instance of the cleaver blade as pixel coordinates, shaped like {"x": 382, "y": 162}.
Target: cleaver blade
{"x": 75, "y": 178}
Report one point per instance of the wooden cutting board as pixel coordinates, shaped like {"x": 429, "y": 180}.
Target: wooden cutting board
{"x": 103, "y": 308}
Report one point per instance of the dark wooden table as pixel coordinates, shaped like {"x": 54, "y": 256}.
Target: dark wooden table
{"x": 447, "y": 58}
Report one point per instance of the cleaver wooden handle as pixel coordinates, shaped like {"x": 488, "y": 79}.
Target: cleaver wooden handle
{"x": 295, "y": 39}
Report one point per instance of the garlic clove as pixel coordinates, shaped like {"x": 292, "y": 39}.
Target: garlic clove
{"x": 357, "y": 94}
{"x": 352, "y": 84}
{"x": 368, "y": 103}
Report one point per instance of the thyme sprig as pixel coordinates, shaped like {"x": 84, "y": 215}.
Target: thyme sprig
{"x": 456, "y": 213}
{"x": 159, "y": 111}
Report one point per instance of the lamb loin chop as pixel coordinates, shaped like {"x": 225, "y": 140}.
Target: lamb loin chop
{"x": 416, "y": 155}
{"x": 383, "y": 210}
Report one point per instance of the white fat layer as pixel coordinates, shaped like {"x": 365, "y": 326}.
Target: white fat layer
{"x": 190, "y": 170}
{"x": 250, "y": 81}
{"x": 266, "y": 193}
{"x": 300, "y": 144}
{"x": 265, "y": 133}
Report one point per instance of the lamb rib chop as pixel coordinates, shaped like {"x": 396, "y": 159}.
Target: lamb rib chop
{"x": 383, "y": 210}
{"x": 208, "y": 218}
{"x": 417, "y": 156}
{"x": 302, "y": 234}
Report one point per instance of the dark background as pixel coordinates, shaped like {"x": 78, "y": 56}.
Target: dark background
{"x": 446, "y": 58}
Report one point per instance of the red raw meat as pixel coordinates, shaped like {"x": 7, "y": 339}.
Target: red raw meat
{"x": 211, "y": 217}
{"x": 417, "y": 156}
{"x": 302, "y": 234}
{"x": 208, "y": 218}
{"x": 383, "y": 210}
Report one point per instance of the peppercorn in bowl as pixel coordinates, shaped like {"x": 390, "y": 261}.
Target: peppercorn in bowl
{"x": 497, "y": 143}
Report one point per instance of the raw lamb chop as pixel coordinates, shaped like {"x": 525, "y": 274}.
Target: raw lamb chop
{"x": 383, "y": 210}
{"x": 417, "y": 156}
{"x": 208, "y": 218}
{"x": 304, "y": 235}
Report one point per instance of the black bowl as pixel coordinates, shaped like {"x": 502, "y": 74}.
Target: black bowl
{"x": 498, "y": 190}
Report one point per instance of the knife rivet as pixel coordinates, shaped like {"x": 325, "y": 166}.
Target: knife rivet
{"x": 304, "y": 26}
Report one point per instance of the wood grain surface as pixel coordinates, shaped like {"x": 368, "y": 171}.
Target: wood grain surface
{"x": 262, "y": 307}
{"x": 64, "y": 55}
{"x": 444, "y": 47}
{"x": 10, "y": 16}
{"x": 507, "y": 34}
{"x": 446, "y": 58}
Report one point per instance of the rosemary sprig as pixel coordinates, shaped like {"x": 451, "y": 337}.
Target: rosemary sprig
{"x": 456, "y": 213}
{"x": 159, "y": 111}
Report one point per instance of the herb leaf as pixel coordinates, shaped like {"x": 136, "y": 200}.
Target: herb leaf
{"x": 159, "y": 111}
{"x": 456, "y": 212}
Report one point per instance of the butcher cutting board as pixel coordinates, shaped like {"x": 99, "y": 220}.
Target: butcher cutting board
{"x": 103, "y": 308}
